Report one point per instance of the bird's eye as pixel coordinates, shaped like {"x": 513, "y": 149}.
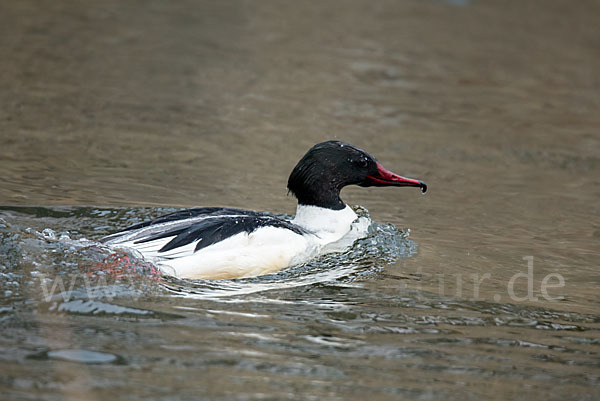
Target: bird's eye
{"x": 362, "y": 163}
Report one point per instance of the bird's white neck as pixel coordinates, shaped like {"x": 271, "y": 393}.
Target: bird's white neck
{"x": 323, "y": 221}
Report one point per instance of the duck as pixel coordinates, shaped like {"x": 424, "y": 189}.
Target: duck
{"x": 217, "y": 243}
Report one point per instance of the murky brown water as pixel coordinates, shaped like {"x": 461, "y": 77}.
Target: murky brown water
{"x": 144, "y": 104}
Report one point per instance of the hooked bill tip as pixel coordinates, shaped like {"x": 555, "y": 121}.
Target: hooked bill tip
{"x": 423, "y": 187}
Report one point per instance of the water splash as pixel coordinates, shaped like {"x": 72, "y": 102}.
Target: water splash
{"x": 53, "y": 249}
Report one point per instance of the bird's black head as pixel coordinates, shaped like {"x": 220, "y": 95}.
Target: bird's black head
{"x": 329, "y": 166}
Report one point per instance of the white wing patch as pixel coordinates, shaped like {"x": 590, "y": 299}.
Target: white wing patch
{"x": 265, "y": 250}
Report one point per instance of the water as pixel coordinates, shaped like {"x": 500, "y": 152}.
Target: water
{"x": 484, "y": 288}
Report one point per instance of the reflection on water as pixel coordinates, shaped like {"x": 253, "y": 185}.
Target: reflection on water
{"x": 494, "y": 295}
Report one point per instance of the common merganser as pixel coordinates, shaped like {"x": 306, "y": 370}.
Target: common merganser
{"x": 222, "y": 243}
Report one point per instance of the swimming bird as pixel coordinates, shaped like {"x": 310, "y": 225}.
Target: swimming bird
{"x": 222, "y": 243}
